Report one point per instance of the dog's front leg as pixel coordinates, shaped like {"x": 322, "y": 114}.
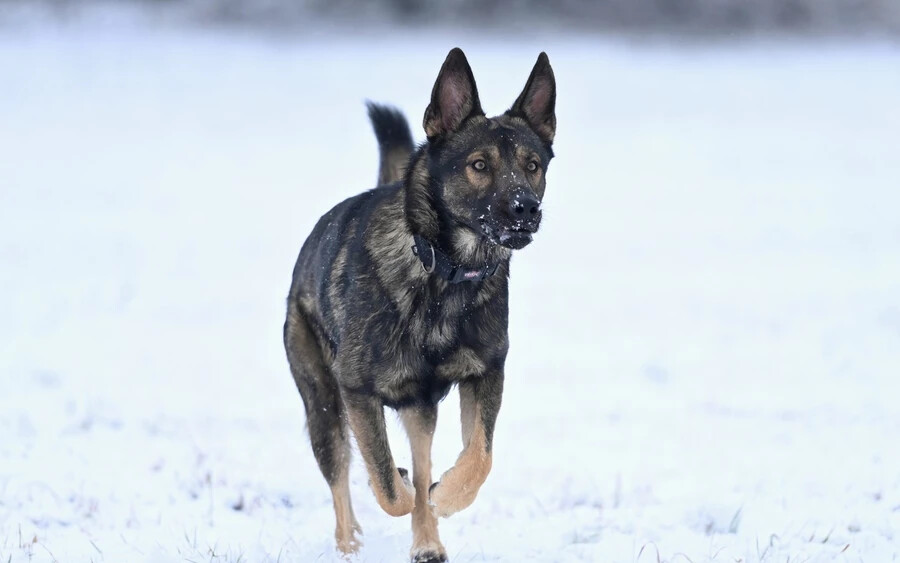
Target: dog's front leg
{"x": 479, "y": 400}
{"x": 420, "y": 422}
{"x": 391, "y": 486}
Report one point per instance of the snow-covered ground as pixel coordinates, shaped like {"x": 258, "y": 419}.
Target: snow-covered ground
{"x": 705, "y": 336}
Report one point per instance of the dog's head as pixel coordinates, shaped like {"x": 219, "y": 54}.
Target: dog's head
{"x": 490, "y": 173}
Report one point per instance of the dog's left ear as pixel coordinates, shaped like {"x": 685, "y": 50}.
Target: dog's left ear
{"x": 537, "y": 102}
{"x": 454, "y": 97}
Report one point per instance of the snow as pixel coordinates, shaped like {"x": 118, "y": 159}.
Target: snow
{"x": 705, "y": 334}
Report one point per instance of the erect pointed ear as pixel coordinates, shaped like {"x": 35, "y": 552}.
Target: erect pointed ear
{"x": 537, "y": 102}
{"x": 453, "y": 98}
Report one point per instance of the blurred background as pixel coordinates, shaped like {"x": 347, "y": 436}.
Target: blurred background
{"x": 694, "y": 17}
{"x": 705, "y": 334}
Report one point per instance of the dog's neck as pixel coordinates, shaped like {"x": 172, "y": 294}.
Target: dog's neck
{"x": 459, "y": 242}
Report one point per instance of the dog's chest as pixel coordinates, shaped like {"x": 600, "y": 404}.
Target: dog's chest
{"x": 434, "y": 345}
{"x": 442, "y": 319}
{"x": 437, "y": 334}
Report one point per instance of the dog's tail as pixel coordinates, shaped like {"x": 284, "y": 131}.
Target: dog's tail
{"x": 394, "y": 141}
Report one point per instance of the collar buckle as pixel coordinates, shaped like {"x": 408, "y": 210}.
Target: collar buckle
{"x": 441, "y": 265}
{"x": 415, "y": 250}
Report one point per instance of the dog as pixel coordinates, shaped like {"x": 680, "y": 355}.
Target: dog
{"x": 401, "y": 293}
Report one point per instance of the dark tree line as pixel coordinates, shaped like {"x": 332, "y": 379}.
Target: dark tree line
{"x": 688, "y": 16}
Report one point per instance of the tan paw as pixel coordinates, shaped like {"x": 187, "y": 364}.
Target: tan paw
{"x": 428, "y": 554}
{"x": 347, "y": 536}
{"x": 452, "y": 493}
{"x": 404, "y": 498}
{"x": 350, "y": 544}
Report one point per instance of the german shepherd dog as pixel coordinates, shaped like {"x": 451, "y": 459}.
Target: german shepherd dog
{"x": 401, "y": 292}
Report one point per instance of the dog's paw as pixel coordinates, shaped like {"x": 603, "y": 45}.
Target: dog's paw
{"x": 350, "y": 543}
{"x": 451, "y": 494}
{"x": 348, "y": 536}
{"x": 404, "y": 495}
{"x": 428, "y": 555}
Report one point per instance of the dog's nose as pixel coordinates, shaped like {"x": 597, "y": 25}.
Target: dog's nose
{"x": 524, "y": 206}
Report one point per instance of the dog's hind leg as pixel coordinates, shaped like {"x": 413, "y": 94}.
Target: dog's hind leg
{"x": 420, "y": 422}
{"x": 325, "y": 418}
{"x": 393, "y": 491}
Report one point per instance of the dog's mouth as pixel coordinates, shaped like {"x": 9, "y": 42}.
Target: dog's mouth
{"x": 515, "y": 236}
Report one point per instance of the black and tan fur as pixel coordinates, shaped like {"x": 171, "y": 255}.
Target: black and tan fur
{"x": 367, "y": 327}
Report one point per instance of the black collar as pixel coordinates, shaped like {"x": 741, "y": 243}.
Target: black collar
{"x": 435, "y": 261}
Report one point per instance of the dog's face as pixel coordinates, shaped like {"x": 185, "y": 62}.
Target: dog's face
{"x": 490, "y": 173}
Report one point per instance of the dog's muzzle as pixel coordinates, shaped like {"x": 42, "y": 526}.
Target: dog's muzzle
{"x": 518, "y": 220}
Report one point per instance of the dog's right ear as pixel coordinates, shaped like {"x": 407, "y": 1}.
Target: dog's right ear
{"x": 537, "y": 102}
{"x": 454, "y": 97}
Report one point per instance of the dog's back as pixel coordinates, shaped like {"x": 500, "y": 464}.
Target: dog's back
{"x": 340, "y": 232}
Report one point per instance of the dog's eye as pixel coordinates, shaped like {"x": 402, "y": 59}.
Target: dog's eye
{"x": 532, "y": 166}
{"x": 479, "y": 165}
